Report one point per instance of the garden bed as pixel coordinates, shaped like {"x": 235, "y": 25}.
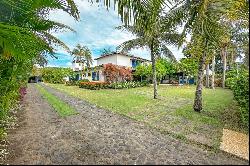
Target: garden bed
{"x": 105, "y": 85}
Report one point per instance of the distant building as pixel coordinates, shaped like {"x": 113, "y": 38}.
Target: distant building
{"x": 120, "y": 59}
{"x": 78, "y": 67}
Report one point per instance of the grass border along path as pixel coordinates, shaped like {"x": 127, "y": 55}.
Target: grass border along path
{"x": 62, "y": 108}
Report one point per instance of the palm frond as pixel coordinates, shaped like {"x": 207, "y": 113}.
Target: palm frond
{"x": 164, "y": 50}
{"x": 130, "y": 44}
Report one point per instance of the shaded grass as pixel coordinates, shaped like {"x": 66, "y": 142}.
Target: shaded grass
{"x": 60, "y": 107}
{"x": 172, "y": 112}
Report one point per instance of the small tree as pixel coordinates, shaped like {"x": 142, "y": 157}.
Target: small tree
{"x": 142, "y": 71}
{"x": 114, "y": 73}
{"x": 189, "y": 66}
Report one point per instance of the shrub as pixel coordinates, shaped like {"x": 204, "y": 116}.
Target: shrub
{"x": 132, "y": 84}
{"x": 239, "y": 84}
{"x": 218, "y": 82}
{"x": 75, "y": 83}
{"x": 116, "y": 73}
{"x": 118, "y": 85}
{"x": 55, "y": 75}
{"x": 93, "y": 85}
{"x": 84, "y": 80}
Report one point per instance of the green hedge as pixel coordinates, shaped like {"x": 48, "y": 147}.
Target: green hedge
{"x": 93, "y": 85}
{"x": 75, "y": 83}
{"x": 132, "y": 84}
{"x": 104, "y": 85}
{"x": 14, "y": 74}
{"x": 238, "y": 82}
{"x": 55, "y": 75}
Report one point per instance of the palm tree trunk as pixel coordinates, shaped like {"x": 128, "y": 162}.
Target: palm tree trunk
{"x": 213, "y": 72}
{"x": 224, "y": 60}
{"x": 154, "y": 72}
{"x": 207, "y": 76}
{"x": 198, "y": 93}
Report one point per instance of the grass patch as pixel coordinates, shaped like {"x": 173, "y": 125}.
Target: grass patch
{"x": 61, "y": 107}
{"x": 172, "y": 112}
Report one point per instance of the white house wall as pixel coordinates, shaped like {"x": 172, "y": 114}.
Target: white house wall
{"x": 77, "y": 66}
{"x": 108, "y": 59}
{"x": 101, "y": 76}
{"x": 124, "y": 60}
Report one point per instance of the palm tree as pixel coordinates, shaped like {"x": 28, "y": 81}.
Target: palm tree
{"x": 213, "y": 72}
{"x": 152, "y": 35}
{"x": 24, "y": 27}
{"x": 223, "y": 52}
{"x": 25, "y": 39}
{"x": 201, "y": 20}
{"x": 157, "y": 46}
{"x": 83, "y": 56}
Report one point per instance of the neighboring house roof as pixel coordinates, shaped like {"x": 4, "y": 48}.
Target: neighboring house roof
{"x": 131, "y": 56}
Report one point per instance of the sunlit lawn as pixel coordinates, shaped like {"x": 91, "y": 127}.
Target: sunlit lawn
{"x": 172, "y": 112}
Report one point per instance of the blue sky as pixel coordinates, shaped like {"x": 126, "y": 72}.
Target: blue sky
{"x": 96, "y": 30}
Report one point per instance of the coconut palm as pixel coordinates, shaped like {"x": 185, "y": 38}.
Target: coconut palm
{"x": 82, "y": 55}
{"x": 24, "y": 27}
{"x": 25, "y": 39}
{"x": 152, "y": 35}
{"x": 202, "y": 21}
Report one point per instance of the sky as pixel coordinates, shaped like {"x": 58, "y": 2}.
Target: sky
{"x": 96, "y": 30}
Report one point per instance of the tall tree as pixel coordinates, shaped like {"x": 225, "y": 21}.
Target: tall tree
{"x": 150, "y": 33}
{"x": 24, "y": 26}
{"x": 201, "y": 20}
{"x": 213, "y": 72}
{"x": 224, "y": 45}
{"x": 25, "y": 39}
{"x": 83, "y": 56}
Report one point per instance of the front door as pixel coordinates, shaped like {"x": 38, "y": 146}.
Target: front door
{"x": 93, "y": 76}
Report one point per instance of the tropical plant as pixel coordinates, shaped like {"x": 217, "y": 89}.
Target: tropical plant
{"x": 150, "y": 33}
{"x": 93, "y": 85}
{"x": 203, "y": 20}
{"x": 188, "y": 66}
{"x": 82, "y": 55}
{"x": 25, "y": 39}
{"x": 56, "y": 75}
{"x": 238, "y": 81}
{"x": 142, "y": 71}
{"x": 106, "y": 51}
{"x": 115, "y": 73}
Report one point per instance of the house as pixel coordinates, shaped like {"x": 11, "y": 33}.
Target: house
{"x": 178, "y": 78}
{"x": 77, "y": 67}
{"x": 115, "y": 58}
{"x": 121, "y": 59}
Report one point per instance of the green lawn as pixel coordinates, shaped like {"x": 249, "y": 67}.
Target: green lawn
{"x": 172, "y": 112}
{"x": 62, "y": 108}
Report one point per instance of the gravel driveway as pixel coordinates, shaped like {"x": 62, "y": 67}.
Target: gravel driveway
{"x": 96, "y": 136}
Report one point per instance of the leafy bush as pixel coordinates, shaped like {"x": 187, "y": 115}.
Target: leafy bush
{"x": 105, "y": 85}
{"x": 115, "y": 73}
{"x": 75, "y": 83}
{"x": 84, "y": 80}
{"x": 131, "y": 84}
{"x": 56, "y": 75}
{"x": 93, "y": 85}
{"x": 218, "y": 82}
{"x": 239, "y": 84}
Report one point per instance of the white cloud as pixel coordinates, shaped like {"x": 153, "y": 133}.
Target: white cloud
{"x": 96, "y": 30}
